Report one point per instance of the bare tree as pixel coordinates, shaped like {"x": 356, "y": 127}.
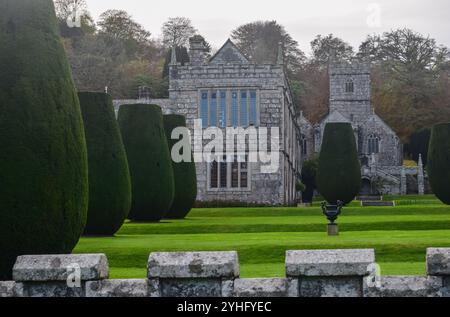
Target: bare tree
{"x": 64, "y": 8}
{"x": 177, "y": 31}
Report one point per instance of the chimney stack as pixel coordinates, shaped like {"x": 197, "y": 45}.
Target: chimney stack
{"x": 198, "y": 50}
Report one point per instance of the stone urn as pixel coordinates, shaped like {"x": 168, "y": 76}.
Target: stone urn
{"x": 332, "y": 212}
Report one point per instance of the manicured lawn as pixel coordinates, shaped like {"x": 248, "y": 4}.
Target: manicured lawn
{"x": 400, "y": 236}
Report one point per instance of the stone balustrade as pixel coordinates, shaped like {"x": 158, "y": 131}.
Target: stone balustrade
{"x": 319, "y": 273}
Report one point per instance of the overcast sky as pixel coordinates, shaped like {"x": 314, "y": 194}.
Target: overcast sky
{"x": 351, "y": 20}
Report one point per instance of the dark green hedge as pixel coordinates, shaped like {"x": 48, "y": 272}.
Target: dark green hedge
{"x": 185, "y": 175}
{"x": 43, "y": 159}
{"x": 149, "y": 161}
{"x": 109, "y": 177}
{"x": 438, "y": 166}
{"x": 339, "y": 173}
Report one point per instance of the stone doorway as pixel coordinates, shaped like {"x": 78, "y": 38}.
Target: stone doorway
{"x": 366, "y": 188}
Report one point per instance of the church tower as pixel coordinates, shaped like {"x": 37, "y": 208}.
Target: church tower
{"x": 350, "y": 93}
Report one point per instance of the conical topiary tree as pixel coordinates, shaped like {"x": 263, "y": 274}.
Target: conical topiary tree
{"x": 43, "y": 159}
{"x": 185, "y": 175}
{"x": 109, "y": 177}
{"x": 439, "y": 162}
{"x": 339, "y": 173}
{"x": 149, "y": 161}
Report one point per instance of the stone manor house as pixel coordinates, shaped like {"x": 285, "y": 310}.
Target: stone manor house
{"x": 227, "y": 90}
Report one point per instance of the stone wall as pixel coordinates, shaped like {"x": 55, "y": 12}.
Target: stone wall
{"x": 319, "y": 273}
{"x": 163, "y": 103}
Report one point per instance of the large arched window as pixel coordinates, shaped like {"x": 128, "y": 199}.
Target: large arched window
{"x": 349, "y": 86}
{"x": 373, "y": 144}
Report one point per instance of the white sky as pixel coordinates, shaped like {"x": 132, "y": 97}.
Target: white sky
{"x": 350, "y": 20}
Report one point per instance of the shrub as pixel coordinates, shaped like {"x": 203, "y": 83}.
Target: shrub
{"x": 308, "y": 175}
{"x": 43, "y": 159}
{"x": 149, "y": 161}
{"x": 419, "y": 145}
{"x": 109, "y": 177}
{"x": 439, "y": 162}
{"x": 185, "y": 176}
{"x": 339, "y": 173}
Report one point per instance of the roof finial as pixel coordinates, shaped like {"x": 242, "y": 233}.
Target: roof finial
{"x": 280, "y": 57}
{"x": 420, "y": 163}
{"x": 173, "y": 59}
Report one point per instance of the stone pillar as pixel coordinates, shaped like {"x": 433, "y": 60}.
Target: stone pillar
{"x": 329, "y": 273}
{"x": 421, "y": 177}
{"x": 10, "y": 289}
{"x": 193, "y": 274}
{"x": 373, "y": 164}
{"x": 58, "y": 275}
{"x": 403, "y": 187}
{"x": 438, "y": 265}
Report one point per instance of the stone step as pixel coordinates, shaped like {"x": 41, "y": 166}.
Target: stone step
{"x": 377, "y": 204}
{"x": 369, "y": 198}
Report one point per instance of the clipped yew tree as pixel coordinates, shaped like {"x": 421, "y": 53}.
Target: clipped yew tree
{"x": 339, "y": 172}
{"x": 109, "y": 177}
{"x": 185, "y": 176}
{"x": 149, "y": 161}
{"x": 43, "y": 159}
{"x": 439, "y": 162}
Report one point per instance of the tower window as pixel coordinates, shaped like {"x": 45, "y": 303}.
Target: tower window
{"x": 349, "y": 87}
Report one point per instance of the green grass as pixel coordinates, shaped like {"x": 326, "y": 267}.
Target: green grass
{"x": 400, "y": 236}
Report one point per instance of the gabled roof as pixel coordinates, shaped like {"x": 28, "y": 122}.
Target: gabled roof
{"x": 334, "y": 116}
{"x": 229, "y": 53}
{"x": 375, "y": 118}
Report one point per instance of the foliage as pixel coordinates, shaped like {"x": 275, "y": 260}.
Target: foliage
{"x": 308, "y": 175}
{"x": 185, "y": 175}
{"x": 120, "y": 25}
{"x": 109, "y": 177}
{"x": 410, "y": 83}
{"x": 43, "y": 160}
{"x": 182, "y": 58}
{"x": 300, "y": 187}
{"x": 149, "y": 161}
{"x": 339, "y": 173}
{"x": 438, "y": 162}
{"x": 325, "y": 48}
{"x": 418, "y": 144}
{"x": 259, "y": 41}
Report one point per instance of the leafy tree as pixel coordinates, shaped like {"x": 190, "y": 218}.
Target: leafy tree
{"x": 259, "y": 41}
{"x": 43, "y": 160}
{"x": 408, "y": 80}
{"x": 119, "y": 25}
{"x": 324, "y": 48}
{"x": 177, "y": 31}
